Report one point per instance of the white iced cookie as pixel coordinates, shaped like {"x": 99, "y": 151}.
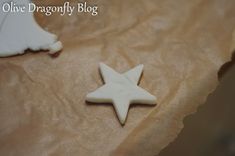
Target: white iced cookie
{"x": 19, "y": 31}
{"x": 121, "y": 90}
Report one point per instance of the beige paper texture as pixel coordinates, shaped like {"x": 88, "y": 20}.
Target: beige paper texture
{"x": 182, "y": 44}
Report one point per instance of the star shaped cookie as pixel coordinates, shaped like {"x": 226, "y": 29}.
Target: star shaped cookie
{"x": 121, "y": 90}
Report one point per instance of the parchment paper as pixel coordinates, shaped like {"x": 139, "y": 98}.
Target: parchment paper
{"x": 182, "y": 44}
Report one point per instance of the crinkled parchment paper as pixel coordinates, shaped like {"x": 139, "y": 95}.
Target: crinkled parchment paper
{"x": 182, "y": 44}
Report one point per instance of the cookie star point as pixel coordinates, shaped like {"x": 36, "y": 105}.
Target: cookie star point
{"x": 135, "y": 74}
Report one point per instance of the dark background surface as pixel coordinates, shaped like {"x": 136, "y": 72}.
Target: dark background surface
{"x": 210, "y": 131}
